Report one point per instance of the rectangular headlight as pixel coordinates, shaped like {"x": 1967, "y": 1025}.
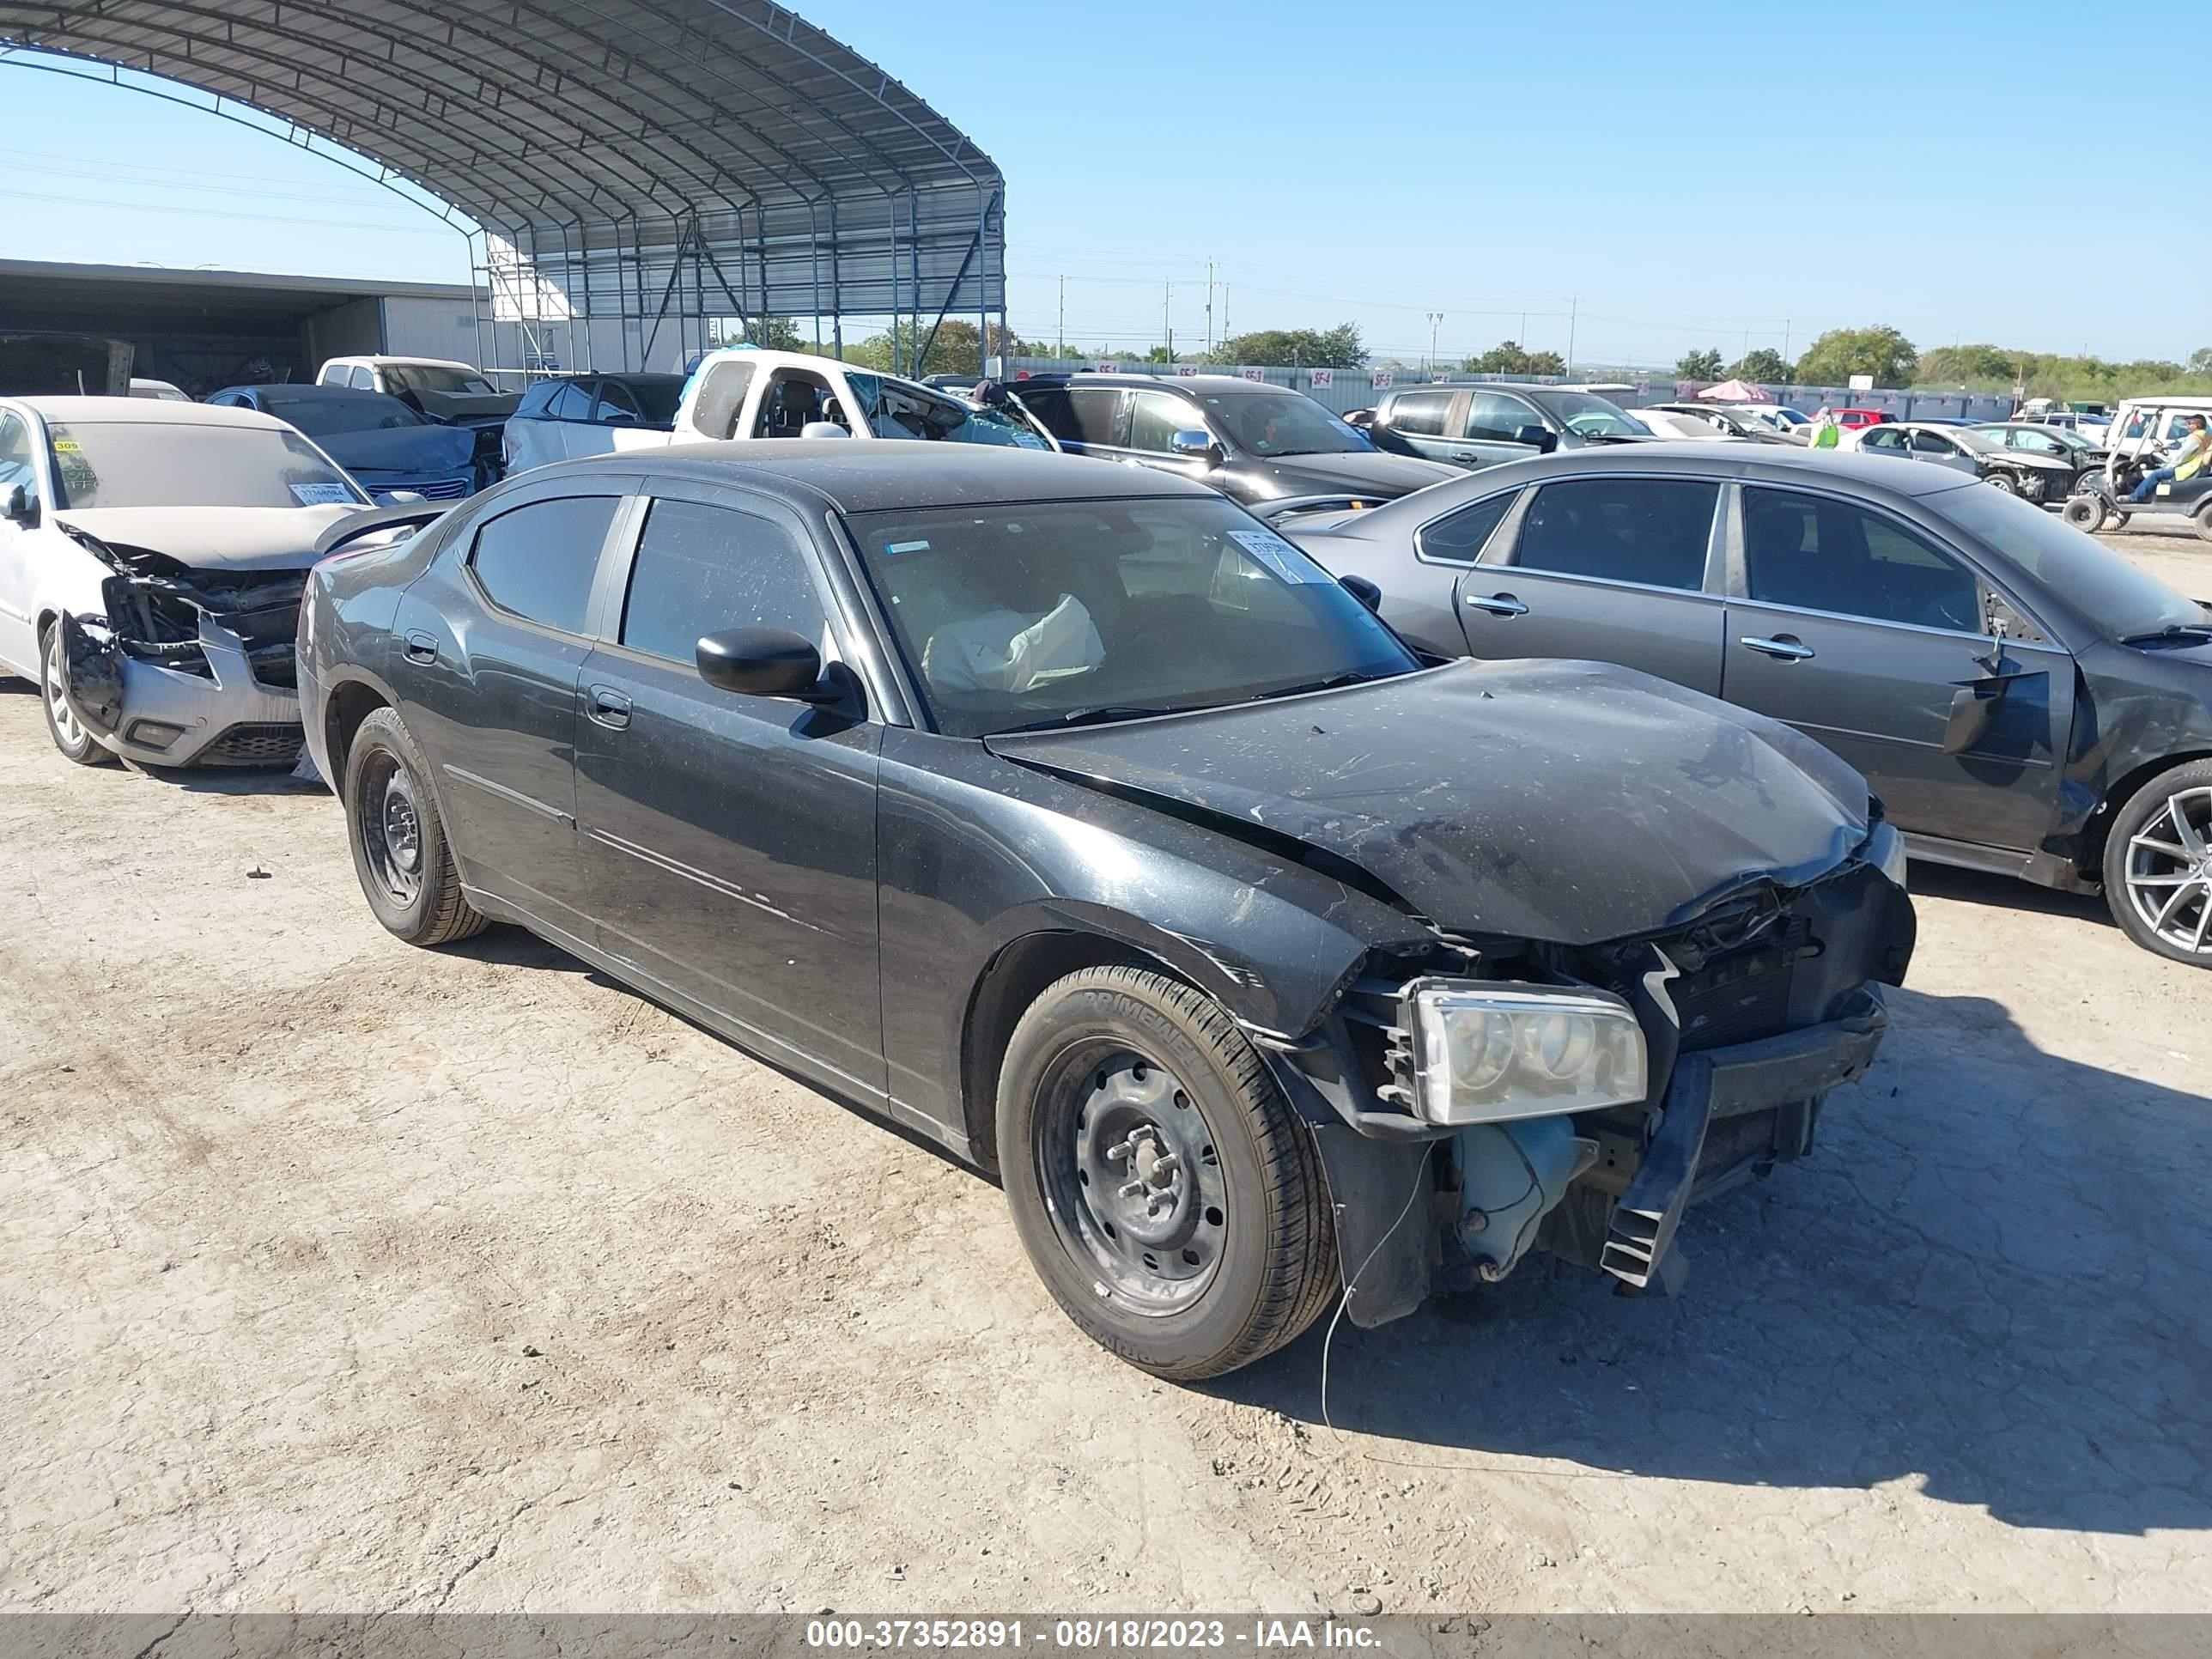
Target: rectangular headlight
{"x": 1486, "y": 1053}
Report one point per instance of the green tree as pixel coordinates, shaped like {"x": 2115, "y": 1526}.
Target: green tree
{"x": 1698, "y": 365}
{"x": 1294, "y": 347}
{"x": 2200, "y": 360}
{"x": 1546, "y": 362}
{"x": 1761, "y": 365}
{"x": 1506, "y": 357}
{"x": 1881, "y": 351}
{"x": 955, "y": 350}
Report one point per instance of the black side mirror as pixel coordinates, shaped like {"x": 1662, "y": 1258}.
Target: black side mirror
{"x": 1542, "y": 440}
{"x": 1363, "y": 590}
{"x": 764, "y": 662}
{"x": 1973, "y": 711}
{"x": 21, "y": 509}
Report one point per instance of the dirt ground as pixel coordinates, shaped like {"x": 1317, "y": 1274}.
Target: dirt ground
{"x": 339, "y": 1275}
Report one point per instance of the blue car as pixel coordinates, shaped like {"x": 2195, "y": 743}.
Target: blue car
{"x": 389, "y": 448}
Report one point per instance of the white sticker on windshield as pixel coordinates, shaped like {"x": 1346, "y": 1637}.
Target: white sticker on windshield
{"x": 1277, "y": 555}
{"x": 329, "y": 495}
{"x": 907, "y": 547}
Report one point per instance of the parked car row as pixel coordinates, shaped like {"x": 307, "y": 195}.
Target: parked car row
{"x": 1315, "y": 908}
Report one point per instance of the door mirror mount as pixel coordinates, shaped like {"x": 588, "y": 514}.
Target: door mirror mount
{"x": 765, "y": 662}
{"x": 1542, "y": 440}
{"x": 1363, "y": 590}
{"x": 1195, "y": 444}
{"x": 21, "y": 508}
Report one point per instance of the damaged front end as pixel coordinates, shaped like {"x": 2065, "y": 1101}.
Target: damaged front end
{"x": 1576, "y": 1100}
{"x": 183, "y": 667}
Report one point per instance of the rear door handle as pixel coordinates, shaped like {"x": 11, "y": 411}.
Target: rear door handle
{"x": 1786, "y": 646}
{"x": 1501, "y": 604}
{"x": 421, "y": 646}
{"x": 610, "y": 707}
{"x": 1469, "y": 460}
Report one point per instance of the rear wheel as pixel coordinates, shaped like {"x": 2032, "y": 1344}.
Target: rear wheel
{"x": 2002, "y": 481}
{"x": 2203, "y": 520}
{"x": 2158, "y": 865}
{"x": 400, "y": 854}
{"x": 1171, "y": 1199}
{"x": 68, "y": 731}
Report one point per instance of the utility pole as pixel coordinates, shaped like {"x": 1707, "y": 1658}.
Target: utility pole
{"x": 1060, "y": 349}
{"x": 1574, "y": 306}
{"x": 1785, "y": 340}
{"x": 1209, "y": 307}
{"x": 1224, "y": 311}
{"x": 1167, "y": 320}
{"x": 1436, "y": 320}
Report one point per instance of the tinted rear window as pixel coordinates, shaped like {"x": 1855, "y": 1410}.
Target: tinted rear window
{"x": 537, "y": 559}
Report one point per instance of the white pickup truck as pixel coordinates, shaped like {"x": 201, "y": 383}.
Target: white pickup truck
{"x": 743, "y": 393}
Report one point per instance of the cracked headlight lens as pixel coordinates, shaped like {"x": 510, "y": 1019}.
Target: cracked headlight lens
{"x": 1485, "y": 1054}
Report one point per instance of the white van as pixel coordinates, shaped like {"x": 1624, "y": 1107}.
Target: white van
{"x": 743, "y": 393}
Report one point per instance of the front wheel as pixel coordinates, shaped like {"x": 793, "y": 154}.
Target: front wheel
{"x": 2002, "y": 481}
{"x": 2203, "y": 521}
{"x": 2085, "y": 512}
{"x": 69, "y": 734}
{"x": 1171, "y": 1199}
{"x": 400, "y": 854}
{"x": 2158, "y": 865}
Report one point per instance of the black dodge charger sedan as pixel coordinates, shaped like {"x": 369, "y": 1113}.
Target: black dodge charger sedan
{"x": 1068, "y": 815}
{"x": 2021, "y": 698}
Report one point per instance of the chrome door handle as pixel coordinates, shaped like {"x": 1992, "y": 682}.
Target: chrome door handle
{"x": 1504, "y": 604}
{"x": 610, "y": 707}
{"x": 421, "y": 648}
{"x": 1786, "y": 646}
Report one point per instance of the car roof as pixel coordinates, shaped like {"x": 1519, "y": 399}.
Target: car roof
{"x": 1213, "y": 383}
{"x": 420, "y": 362}
{"x": 863, "y": 475}
{"x": 141, "y": 411}
{"x": 309, "y": 392}
{"x": 1774, "y": 464}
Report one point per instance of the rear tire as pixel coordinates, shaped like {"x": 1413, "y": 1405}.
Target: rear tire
{"x": 2085, "y": 512}
{"x": 1167, "y": 1195}
{"x": 69, "y": 732}
{"x": 2002, "y": 481}
{"x": 2202, "y": 519}
{"x": 2158, "y": 865}
{"x": 400, "y": 853}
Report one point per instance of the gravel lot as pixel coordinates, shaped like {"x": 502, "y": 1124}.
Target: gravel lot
{"x": 342, "y": 1276}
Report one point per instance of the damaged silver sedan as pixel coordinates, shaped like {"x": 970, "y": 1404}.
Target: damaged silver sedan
{"x": 152, "y": 556}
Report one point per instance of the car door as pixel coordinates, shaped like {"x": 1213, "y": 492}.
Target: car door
{"x": 1890, "y": 440}
{"x": 1420, "y": 584}
{"x": 19, "y": 468}
{"x": 1086, "y": 419}
{"x": 493, "y": 640}
{"x": 1614, "y": 569}
{"x": 1866, "y": 635}
{"x": 1154, "y": 420}
{"x": 732, "y": 838}
{"x": 1944, "y": 452}
{"x": 1491, "y": 428}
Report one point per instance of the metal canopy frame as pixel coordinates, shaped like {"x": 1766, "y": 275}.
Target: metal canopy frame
{"x": 628, "y": 168}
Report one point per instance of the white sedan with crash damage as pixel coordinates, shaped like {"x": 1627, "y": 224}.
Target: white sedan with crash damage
{"x": 152, "y": 555}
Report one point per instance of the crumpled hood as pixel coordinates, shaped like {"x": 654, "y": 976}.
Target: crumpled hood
{"x": 437, "y": 450}
{"x": 1572, "y": 802}
{"x": 215, "y": 537}
{"x": 469, "y": 408}
{"x": 1386, "y": 476}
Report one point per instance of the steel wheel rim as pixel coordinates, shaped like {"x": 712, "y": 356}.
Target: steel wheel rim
{"x": 390, "y": 822}
{"x": 1131, "y": 1176}
{"x": 2169, "y": 871}
{"x": 57, "y": 709}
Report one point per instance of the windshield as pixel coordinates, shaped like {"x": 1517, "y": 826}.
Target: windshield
{"x": 2063, "y": 436}
{"x": 2120, "y": 600}
{"x": 329, "y": 417}
{"x": 895, "y": 409}
{"x": 127, "y": 463}
{"x": 429, "y": 377}
{"x": 1588, "y": 416}
{"x": 1022, "y": 614}
{"x": 1786, "y": 415}
{"x": 1980, "y": 442}
{"x": 1276, "y": 423}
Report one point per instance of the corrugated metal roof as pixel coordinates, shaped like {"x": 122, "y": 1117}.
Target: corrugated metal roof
{"x": 603, "y": 137}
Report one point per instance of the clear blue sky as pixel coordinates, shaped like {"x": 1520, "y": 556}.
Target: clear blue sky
{"x": 1698, "y": 175}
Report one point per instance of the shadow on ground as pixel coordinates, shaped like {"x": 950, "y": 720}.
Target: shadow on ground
{"x": 2005, "y": 893}
{"x": 1985, "y": 1283}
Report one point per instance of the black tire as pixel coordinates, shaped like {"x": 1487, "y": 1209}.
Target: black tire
{"x": 400, "y": 854}
{"x": 69, "y": 733}
{"x": 2003, "y": 481}
{"x": 1242, "y": 1257}
{"x": 2202, "y": 519}
{"x": 2141, "y": 880}
{"x": 2084, "y": 512}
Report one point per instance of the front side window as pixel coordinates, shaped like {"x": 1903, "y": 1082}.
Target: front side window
{"x": 152, "y": 463}
{"x": 1929, "y": 443}
{"x": 1495, "y": 418}
{"x": 1588, "y": 416}
{"x": 700, "y": 569}
{"x": 797, "y": 397}
{"x": 652, "y": 402}
{"x": 16, "y": 467}
{"x": 1155, "y": 417}
{"x": 537, "y": 559}
{"x": 1279, "y": 424}
{"x": 1030, "y": 615}
{"x": 1094, "y": 413}
{"x": 1883, "y": 439}
{"x": 1654, "y": 530}
{"x": 570, "y": 402}
{"x": 1815, "y": 553}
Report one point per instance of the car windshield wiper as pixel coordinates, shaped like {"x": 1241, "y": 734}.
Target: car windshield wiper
{"x": 2172, "y": 631}
{"x": 1351, "y": 676}
{"x": 1103, "y": 715}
